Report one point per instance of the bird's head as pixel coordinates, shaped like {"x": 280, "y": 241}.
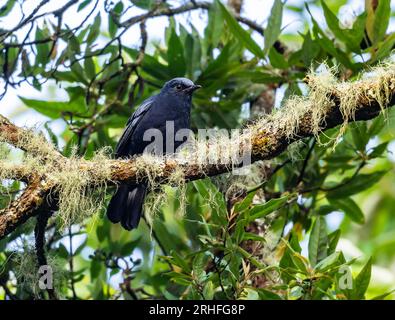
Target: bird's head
{"x": 182, "y": 87}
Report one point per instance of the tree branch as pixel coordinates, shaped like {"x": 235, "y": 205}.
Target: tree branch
{"x": 337, "y": 104}
{"x": 21, "y": 209}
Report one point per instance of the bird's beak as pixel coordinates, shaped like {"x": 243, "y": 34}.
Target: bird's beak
{"x": 192, "y": 88}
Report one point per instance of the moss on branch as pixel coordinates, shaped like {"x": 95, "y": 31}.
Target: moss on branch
{"x": 71, "y": 182}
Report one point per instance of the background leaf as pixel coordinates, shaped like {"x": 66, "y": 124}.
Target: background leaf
{"x": 273, "y": 28}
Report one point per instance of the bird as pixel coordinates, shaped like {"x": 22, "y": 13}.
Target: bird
{"x": 172, "y": 103}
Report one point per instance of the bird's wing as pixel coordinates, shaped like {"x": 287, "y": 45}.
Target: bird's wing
{"x": 123, "y": 148}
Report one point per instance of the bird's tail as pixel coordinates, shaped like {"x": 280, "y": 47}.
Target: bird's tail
{"x": 126, "y": 205}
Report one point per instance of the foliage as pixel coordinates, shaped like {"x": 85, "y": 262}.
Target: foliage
{"x": 267, "y": 235}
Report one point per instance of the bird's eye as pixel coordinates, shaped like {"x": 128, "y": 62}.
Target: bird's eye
{"x": 179, "y": 87}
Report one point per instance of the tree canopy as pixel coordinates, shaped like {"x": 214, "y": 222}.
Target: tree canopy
{"x": 310, "y": 218}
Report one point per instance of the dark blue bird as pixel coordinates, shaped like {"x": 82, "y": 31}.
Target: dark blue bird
{"x": 173, "y": 103}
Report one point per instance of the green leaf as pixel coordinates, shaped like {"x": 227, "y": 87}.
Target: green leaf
{"x": 261, "y": 210}
{"x": 385, "y": 47}
{"x": 273, "y": 28}
{"x": 6, "y": 8}
{"x": 102, "y": 232}
{"x": 95, "y": 269}
{"x": 351, "y": 38}
{"x": 90, "y": 68}
{"x": 378, "y": 150}
{"x": 112, "y": 25}
{"x": 361, "y": 282}
{"x": 350, "y": 208}
{"x": 83, "y": 5}
{"x": 215, "y": 26}
{"x": 193, "y": 52}
{"x": 377, "y": 124}
{"x": 65, "y": 76}
{"x": 129, "y": 247}
{"x": 78, "y": 72}
{"x": 52, "y": 135}
{"x": 75, "y": 93}
{"x": 245, "y": 203}
{"x": 175, "y": 56}
{"x": 243, "y": 36}
{"x": 381, "y": 20}
{"x": 357, "y": 33}
{"x": 183, "y": 33}
{"x": 209, "y": 192}
{"x": 250, "y": 294}
{"x": 258, "y": 76}
{"x": 43, "y": 49}
{"x": 294, "y": 8}
{"x": 384, "y": 295}
{"x": 198, "y": 267}
{"x": 180, "y": 261}
{"x": 181, "y": 281}
{"x": 220, "y": 67}
{"x": 277, "y": 60}
{"x": 74, "y": 47}
{"x": 268, "y": 295}
{"x": 240, "y": 230}
{"x": 333, "y": 239}
{"x": 252, "y": 236}
{"x": 327, "y": 44}
{"x": 94, "y": 30}
{"x": 208, "y": 290}
{"x": 294, "y": 242}
{"x": 310, "y": 49}
{"x": 324, "y": 210}
{"x": 329, "y": 262}
{"x": 300, "y": 262}
{"x": 54, "y": 109}
{"x": 112, "y": 121}
{"x": 292, "y": 90}
{"x": 318, "y": 242}
{"x": 62, "y": 252}
{"x": 143, "y": 4}
{"x": 150, "y": 65}
{"x": 359, "y": 136}
{"x": 350, "y": 186}
{"x": 340, "y": 160}
{"x": 80, "y": 248}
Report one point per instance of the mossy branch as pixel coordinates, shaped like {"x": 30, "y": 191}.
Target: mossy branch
{"x": 330, "y": 103}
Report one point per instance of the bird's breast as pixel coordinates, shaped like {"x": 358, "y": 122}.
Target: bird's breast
{"x": 170, "y": 119}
